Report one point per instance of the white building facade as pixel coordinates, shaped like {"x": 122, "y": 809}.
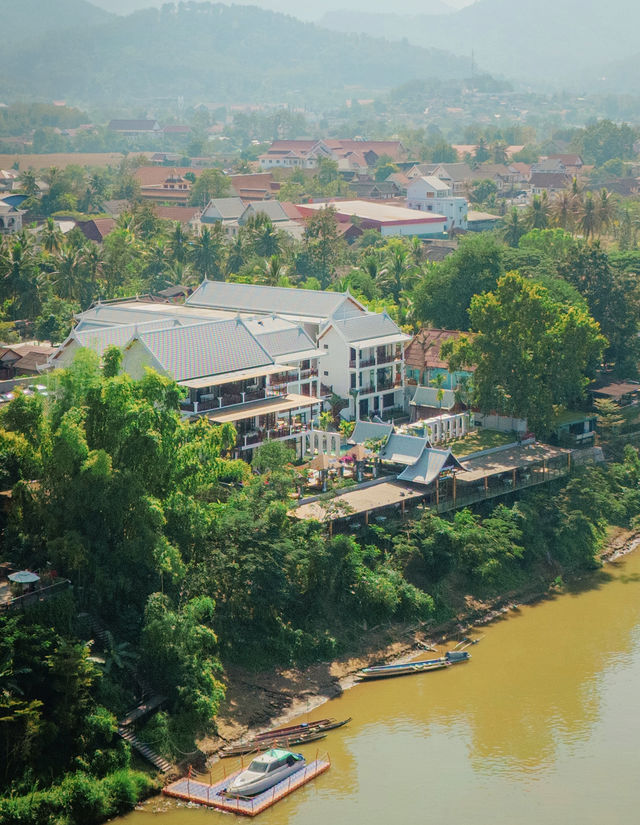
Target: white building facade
{"x": 430, "y": 194}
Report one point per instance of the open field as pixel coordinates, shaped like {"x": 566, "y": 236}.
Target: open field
{"x": 62, "y": 160}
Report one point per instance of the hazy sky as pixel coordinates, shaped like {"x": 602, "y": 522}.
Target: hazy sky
{"x": 311, "y": 11}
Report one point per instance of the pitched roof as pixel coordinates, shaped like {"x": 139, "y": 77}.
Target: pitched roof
{"x": 210, "y": 348}
{"x": 99, "y": 339}
{"x": 429, "y": 466}
{"x": 179, "y": 214}
{"x": 549, "y": 180}
{"x": 97, "y": 229}
{"x": 369, "y": 431}
{"x": 252, "y": 298}
{"x": 368, "y": 327}
{"x": 272, "y": 209}
{"x": 223, "y": 209}
{"x": 133, "y": 126}
{"x": 285, "y": 342}
{"x": 428, "y": 397}
{"x": 30, "y": 361}
{"x": 424, "y": 350}
{"x": 403, "y": 449}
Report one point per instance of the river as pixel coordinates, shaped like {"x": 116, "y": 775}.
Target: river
{"x": 540, "y": 727}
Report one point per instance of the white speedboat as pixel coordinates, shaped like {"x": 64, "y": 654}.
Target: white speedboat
{"x": 265, "y": 771}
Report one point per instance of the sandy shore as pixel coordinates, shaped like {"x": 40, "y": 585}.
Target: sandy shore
{"x": 260, "y": 700}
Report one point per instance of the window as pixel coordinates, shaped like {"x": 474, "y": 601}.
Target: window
{"x": 325, "y": 373}
{"x": 326, "y": 346}
{"x": 387, "y": 400}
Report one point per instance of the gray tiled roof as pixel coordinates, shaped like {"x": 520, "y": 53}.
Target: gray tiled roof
{"x": 272, "y": 209}
{"x": 368, "y": 326}
{"x": 98, "y": 339}
{"x": 428, "y": 397}
{"x": 268, "y": 299}
{"x": 368, "y": 431}
{"x": 286, "y": 342}
{"x": 223, "y": 209}
{"x": 429, "y": 466}
{"x": 403, "y": 449}
{"x": 211, "y": 348}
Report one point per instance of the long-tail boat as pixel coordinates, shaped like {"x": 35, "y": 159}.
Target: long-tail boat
{"x": 284, "y": 737}
{"x": 452, "y": 657}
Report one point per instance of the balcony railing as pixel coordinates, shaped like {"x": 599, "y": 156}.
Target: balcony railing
{"x": 385, "y": 358}
{"x": 352, "y": 363}
{"x": 261, "y": 435}
{"x": 231, "y": 399}
{"x": 367, "y": 362}
{"x": 310, "y": 373}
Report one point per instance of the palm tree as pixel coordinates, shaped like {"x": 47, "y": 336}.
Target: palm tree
{"x": 606, "y": 209}
{"x": 51, "y": 237}
{"x": 538, "y": 213}
{"x": 155, "y": 266}
{"x": 439, "y": 381}
{"x": 563, "y": 210}
{"x": 29, "y": 183}
{"x": 179, "y": 244}
{"x": 264, "y": 236}
{"x": 17, "y": 267}
{"x": 207, "y": 253}
{"x": 513, "y": 228}
{"x": 271, "y": 271}
{"x": 400, "y": 273}
{"x": 589, "y": 217}
{"x": 68, "y": 274}
{"x": 236, "y": 253}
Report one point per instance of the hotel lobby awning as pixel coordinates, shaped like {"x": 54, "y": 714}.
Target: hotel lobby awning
{"x": 263, "y": 407}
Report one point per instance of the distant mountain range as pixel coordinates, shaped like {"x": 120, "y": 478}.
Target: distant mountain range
{"x": 558, "y": 41}
{"x": 203, "y": 52}
{"x": 26, "y": 20}
{"x": 308, "y": 11}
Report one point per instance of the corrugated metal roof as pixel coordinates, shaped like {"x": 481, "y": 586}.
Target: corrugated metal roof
{"x": 205, "y": 349}
{"x": 371, "y": 326}
{"x": 267, "y": 299}
{"x": 428, "y": 397}
{"x": 403, "y": 449}
{"x": 429, "y": 466}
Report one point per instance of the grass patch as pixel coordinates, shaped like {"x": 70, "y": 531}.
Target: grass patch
{"x": 481, "y": 440}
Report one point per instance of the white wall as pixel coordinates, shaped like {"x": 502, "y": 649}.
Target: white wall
{"x": 335, "y": 363}
{"x": 136, "y": 358}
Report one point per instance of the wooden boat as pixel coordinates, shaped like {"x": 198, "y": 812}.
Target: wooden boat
{"x": 256, "y": 745}
{"x": 452, "y": 657}
{"x": 303, "y": 726}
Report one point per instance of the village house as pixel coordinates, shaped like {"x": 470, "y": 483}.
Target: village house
{"x": 135, "y": 128}
{"x": 431, "y": 194}
{"x": 388, "y": 219}
{"x": 10, "y": 218}
{"x": 350, "y": 155}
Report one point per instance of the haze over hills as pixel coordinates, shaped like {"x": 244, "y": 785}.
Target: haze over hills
{"x": 212, "y": 52}
{"x": 553, "y": 40}
{"x": 310, "y": 11}
{"x": 29, "y": 19}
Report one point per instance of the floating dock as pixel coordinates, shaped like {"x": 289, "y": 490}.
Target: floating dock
{"x": 202, "y": 793}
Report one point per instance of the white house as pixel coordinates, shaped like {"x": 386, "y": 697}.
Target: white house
{"x": 10, "y": 219}
{"x": 430, "y": 194}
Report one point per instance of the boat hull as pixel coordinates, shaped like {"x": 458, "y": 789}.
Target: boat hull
{"x": 264, "y": 783}
{"x": 408, "y": 669}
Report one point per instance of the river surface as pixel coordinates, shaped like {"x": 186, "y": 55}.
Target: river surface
{"x": 542, "y": 726}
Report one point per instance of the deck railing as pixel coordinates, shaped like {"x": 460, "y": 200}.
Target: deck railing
{"x": 35, "y": 596}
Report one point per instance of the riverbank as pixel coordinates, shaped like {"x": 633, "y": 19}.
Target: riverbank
{"x": 270, "y": 698}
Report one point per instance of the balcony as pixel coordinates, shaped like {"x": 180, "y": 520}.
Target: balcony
{"x": 310, "y": 373}
{"x": 367, "y": 362}
{"x": 207, "y": 403}
{"x": 386, "y": 358}
{"x": 261, "y": 435}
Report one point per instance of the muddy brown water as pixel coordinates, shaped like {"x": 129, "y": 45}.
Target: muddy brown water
{"x": 542, "y": 726}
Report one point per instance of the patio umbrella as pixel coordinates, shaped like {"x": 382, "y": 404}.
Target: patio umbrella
{"x": 321, "y": 462}
{"x": 359, "y": 452}
{"x": 23, "y": 577}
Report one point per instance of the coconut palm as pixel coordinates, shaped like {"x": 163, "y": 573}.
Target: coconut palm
{"x": 538, "y": 212}
{"x": 179, "y": 243}
{"x": 17, "y": 267}
{"x": 400, "y": 272}
{"x": 563, "y": 210}
{"x": 439, "y": 381}
{"x": 606, "y": 209}
{"x": 514, "y": 227}
{"x": 68, "y": 275}
{"x": 271, "y": 271}
{"x": 51, "y": 237}
{"x": 29, "y": 183}
{"x": 236, "y": 253}
{"x": 588, "y": 222}
{"x": 207, "y": 253}
{"x": 264, "y": 236}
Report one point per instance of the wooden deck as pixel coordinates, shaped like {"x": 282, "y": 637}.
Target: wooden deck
{"x": 213, "y": 796}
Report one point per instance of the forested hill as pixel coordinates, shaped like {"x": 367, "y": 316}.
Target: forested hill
{"x": 24, "y": 21}
{"x": 216, "y": 53}
{"x": 533, "y": 39}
